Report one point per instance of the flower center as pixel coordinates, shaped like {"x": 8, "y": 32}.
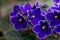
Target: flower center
{"x": 43, "y": 27}
{"x": 56, "y": 16}
{"x": 20, "y": 19}
{"x": 32, "y": 16}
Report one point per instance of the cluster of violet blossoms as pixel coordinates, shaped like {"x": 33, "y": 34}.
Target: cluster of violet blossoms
{"x": 42, "y": 21}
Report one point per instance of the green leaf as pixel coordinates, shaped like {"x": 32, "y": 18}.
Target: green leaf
{"x": 51, "y": 38}
{"x": 19, "y": 35}
{"x": 3, "y": 38}
{"x": 5, "y": 26}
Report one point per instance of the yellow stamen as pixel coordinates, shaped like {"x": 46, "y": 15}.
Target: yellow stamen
{"x": 32, "y": 16}
{"x": 20, "y": 20}
{"x": 55, "y": 16}
{"x": 43, "y": 27}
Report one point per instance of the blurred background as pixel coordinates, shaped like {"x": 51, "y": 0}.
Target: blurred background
{"x": 6, "y": 28}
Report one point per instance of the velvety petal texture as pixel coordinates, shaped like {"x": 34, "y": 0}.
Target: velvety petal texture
{"x": 35, "y": 16}
{"x": 19, "y": 22}
{"x": 40, "y": 36}
{"x": 22, "y": 9}
{"x": 27, "y": 6}
{"x": 13, "y": 13}
{"x": 53, "y": 14}
{"x": 57, "y": 30}
{"x": 42, "y": 29}
{"x": 16, "y": 8}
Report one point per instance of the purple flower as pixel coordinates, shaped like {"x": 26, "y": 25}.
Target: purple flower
{"x": 42, "y": 29}
{"x": 19, "y": 22}
{"x": 53, "y": 18}
{"x": 57, "y": 30}
{"x": 35, "y": 16}
{"x": 56, "y": 1}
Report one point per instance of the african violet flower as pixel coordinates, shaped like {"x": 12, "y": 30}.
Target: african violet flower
{"x": 53, "y": 14}
{"x": 35, "y": 16}
{"x": 57, "y": 30}
{"x": 53, "y": 18}
{"x": 42, "y": 29}
{"x": 19, "y": 22}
